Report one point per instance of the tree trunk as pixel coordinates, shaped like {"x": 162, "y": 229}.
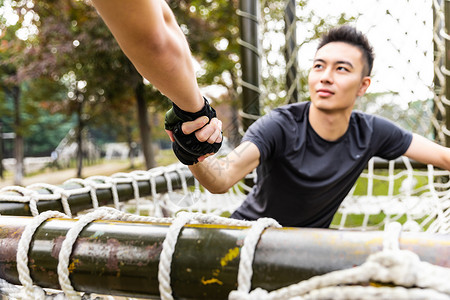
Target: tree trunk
{"x": 1, "y": 150}
{"x": 131, "y": 145}
{"x": 18, "y": 139}
{"x": 144, "y": 127}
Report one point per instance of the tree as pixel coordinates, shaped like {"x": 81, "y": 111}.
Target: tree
{"x": 78, "y": 53}
{"x": 10, "y": 68}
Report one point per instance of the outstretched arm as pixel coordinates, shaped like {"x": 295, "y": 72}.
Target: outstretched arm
{"x": 428, "y": 152}
{"x": 217, "y": 175}
{"x": 149, "y": 35}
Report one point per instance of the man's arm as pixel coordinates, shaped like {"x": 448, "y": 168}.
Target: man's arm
{"x": 428, "y": 152}
{"x": 217, "y": 175}
{"x": 149, "y": 35}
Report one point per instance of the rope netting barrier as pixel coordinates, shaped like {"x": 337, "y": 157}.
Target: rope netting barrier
{"x": 418, "y": 198}
{"x": 400, "y": 273}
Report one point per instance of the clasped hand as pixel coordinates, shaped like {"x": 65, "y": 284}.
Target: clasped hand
{"x": 210, "y": 133}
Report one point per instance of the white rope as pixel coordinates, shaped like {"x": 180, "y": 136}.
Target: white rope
{"x": 168, "y": 248}
{"x": 104, "y": 182}
{"x": 245, "y": 272}
{"x": 400, "y": 267}
{"x": 153, "y": 174}
{"x": 36, "y": 196}
{"x": 66, "y": 250}
{"x": 87, "y": 187}
{"x": 9, "y": 289}
{"x": 58, "y": 193}
{"x": 130, "y": 178}
{"x": 22, "y": 253}
{"x": 391, "y": 236}
{"x": 25, "y": 196}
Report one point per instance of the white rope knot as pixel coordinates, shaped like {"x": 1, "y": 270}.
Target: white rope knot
{"x": 25, "y": 195}
{"x": 256, "y": 294}
{"x": 88, "y": 187}
{"x": 391, "y": 236}
{"x": 57, "y": 193}
{"x": 400, "y": 267}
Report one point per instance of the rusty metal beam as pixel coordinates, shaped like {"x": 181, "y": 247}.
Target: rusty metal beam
{"x": 121, "y": 258}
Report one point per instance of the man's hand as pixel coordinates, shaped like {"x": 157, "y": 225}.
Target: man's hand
{"x": 194, "y": 136}
{"x": 204, "y": 132}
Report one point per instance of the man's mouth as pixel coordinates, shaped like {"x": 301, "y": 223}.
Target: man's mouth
{"x": 324, "y": 92}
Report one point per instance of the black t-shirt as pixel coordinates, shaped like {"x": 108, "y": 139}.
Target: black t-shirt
{"x": 302, "y": 179}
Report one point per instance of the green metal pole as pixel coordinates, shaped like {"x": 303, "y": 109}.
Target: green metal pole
{"x": 446, "y": 38}
{"x": 437, "y": 110}
{"x": 121, "y": 258}
{"x": 250, "y": 64}
{"x": 83, "y": 201}
{"x": 289, "y": 55}
{"x": 250, "y": 60}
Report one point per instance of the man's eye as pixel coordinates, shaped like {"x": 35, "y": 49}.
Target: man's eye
{"x": 342, "y": 69}
{"x": 317, "y": 66}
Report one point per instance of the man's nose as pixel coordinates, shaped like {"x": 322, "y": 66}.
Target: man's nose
{"x": 327, "y": 76}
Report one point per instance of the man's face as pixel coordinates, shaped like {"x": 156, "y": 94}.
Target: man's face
{"x": 336, "y": 78}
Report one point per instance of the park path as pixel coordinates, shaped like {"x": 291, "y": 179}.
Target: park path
{"x": 57, "y": 177}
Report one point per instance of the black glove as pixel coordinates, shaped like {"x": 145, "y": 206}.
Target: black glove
{"x": 186, "y": 146}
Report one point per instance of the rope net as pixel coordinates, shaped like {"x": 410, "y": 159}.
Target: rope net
{"x": 417, "y": 198}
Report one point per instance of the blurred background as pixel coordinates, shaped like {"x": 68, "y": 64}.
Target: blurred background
{"x": 71, "y": 101}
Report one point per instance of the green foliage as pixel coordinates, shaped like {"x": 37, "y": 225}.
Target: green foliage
{"x": 211, "y": 27}
{"x": 46, "y": 133}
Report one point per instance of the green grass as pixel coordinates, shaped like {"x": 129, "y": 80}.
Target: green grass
{"x": 381, "y": 187}
{"x": 356, "y": 220}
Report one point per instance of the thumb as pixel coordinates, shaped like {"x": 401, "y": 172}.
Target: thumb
{"x": 170, "y": 134}
{"x": 190, "y": 127}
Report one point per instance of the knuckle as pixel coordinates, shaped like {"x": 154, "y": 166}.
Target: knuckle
{"x": 200, "y": 136}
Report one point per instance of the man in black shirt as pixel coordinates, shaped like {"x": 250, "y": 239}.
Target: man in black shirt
{"x": 309, "y": 155}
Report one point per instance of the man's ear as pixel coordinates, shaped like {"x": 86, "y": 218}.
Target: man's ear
{"x": 365, "y": 83}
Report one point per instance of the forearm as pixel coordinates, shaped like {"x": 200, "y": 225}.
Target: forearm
{"x": 217, "y": 175}
{"x": 211, "y": 175}
{"x": 149, "y": 35}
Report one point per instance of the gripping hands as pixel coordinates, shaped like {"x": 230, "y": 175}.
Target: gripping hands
{"x": 187, "y": 147}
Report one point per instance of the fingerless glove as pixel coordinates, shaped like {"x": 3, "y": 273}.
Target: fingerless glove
{"x": 187, "y": 147}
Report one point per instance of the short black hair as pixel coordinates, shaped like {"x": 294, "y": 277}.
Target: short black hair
{"x": 350, "y": 35}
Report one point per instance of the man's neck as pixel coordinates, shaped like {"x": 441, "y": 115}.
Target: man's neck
{"x": 329, "y": 125}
